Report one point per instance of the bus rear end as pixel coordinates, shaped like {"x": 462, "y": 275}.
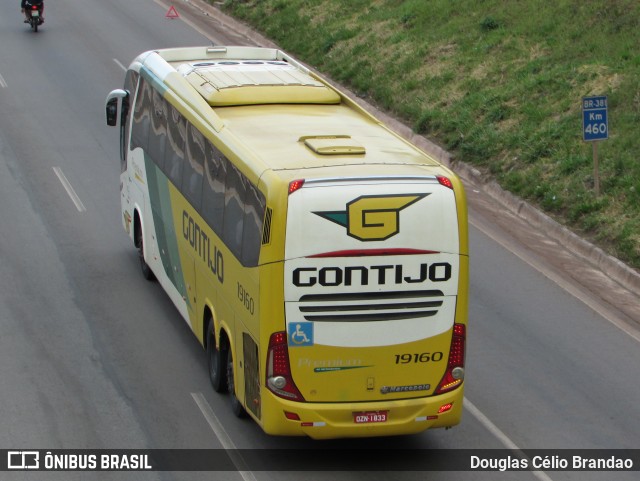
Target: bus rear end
{"x": 375, "y": 284}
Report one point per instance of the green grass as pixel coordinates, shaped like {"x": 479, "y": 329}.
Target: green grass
{"x": 497, "y": 83}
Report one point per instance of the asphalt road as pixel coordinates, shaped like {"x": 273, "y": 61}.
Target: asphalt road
{"x": 92, "y": 356}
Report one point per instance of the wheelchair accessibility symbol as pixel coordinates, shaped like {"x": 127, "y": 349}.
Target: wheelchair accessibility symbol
{"x": 301, "y": 333}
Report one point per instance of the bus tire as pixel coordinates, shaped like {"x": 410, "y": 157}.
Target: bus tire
{"x": 147, "y": 273}
{"x": 236, "y": 405}
{"x": 216, "y": 359}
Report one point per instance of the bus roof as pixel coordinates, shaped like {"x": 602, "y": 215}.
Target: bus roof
{"x": 312, "y": 137}
{"x": 286, "y": 116}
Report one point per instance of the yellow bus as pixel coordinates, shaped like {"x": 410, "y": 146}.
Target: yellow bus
{"x": 320, "y": 259}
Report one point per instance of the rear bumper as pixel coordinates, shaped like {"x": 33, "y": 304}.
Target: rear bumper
{"x": 336, "y": 420}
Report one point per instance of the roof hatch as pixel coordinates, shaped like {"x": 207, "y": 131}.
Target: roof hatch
{"x": 251, "y": 82}
{"x": 333, "y": 145}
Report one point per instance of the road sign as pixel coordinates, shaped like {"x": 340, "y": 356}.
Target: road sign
{"x": 172, "y": 13}
{"x": 595, "y": 125}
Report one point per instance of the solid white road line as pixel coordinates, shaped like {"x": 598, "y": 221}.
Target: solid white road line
{"x": 72, "y": 193}
{"x": 222, "y": 436}
{"x": 119, "y": 64}
{"x": 502, "y": 437}
{"x": 247, "y": 475}
{"x": 623, "y": 325}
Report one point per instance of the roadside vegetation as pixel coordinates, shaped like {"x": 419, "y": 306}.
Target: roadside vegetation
{"x": 498, "y": 84}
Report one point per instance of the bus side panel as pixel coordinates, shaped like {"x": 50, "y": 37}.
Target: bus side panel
{"x": 229, "y": 289}
{"x": 161, "y": 248}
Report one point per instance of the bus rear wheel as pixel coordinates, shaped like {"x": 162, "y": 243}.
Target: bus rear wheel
{"x": 217, "y": 361}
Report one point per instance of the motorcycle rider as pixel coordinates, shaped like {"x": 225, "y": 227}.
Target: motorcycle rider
{"x": 27, "y": 3}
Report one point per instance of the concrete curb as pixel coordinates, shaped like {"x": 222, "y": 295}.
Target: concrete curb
{"x": 611, "y": 266}
{"x": 615, "y": 269}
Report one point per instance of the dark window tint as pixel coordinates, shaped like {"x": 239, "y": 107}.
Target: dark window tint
{"x": 213, "y": 190}
{"x": 141, "y": 116}
{"x": 158, "y": 134}
{"x": 192, "y": 174}
{"x": 130, "y": 85}
{"x": 234, "y": 210}
{"x": 176, "y": 143}
{"x": 232, "y": 206}
{"x": 252, "y": 231}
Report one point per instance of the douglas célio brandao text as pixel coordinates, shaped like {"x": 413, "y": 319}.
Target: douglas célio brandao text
{"x": 573, "y": 462}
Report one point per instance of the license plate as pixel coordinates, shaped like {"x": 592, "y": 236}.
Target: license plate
{"x": 370, "y": 417}
{"x": 35, "y": 13}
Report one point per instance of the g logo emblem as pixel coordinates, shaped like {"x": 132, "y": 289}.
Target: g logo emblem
{"x": 372, "y": 218}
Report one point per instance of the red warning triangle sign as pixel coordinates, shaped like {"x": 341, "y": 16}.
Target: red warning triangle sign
{"x": 172, "y": 13}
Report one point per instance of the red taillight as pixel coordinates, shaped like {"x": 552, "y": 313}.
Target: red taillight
{"x": 444, "y": 181}
{"x": 295, "y": 185}
{"x": 279, "y": 354}
{"x": 454, "y": 375}
{"x": 279, "y": 380}
{"x": 456, "y": 355}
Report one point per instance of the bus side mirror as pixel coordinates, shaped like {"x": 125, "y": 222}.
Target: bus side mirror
{"x": 112, "y": 112}
{"x": 113, "y": 105}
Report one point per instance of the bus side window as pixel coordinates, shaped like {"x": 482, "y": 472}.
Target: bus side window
{"x": 252, "y": 233}
{"x": 176, "y": 140}
{"x": 141, "y": 116}
{"x": 130, "y": 85}
{"x": 213, "y": 190}
{"x": 192, "y": 174}
{"x": 234, "y": 210}
{"x": 158, "y": 133}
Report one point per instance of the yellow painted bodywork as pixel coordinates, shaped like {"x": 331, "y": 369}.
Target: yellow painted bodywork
{"x": 267, "y": 143}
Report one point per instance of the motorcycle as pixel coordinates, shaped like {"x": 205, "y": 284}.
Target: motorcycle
{"x": 33, "y": 11}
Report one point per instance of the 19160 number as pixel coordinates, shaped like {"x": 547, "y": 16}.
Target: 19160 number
{"x": 417, "y": 357}
{"x": 245, "y": 298}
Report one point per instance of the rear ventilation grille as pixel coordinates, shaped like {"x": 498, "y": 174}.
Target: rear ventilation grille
{"x": 251, "y": 374}
{"x": 370, "y": 306}
{"x": 266, "y": 227}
